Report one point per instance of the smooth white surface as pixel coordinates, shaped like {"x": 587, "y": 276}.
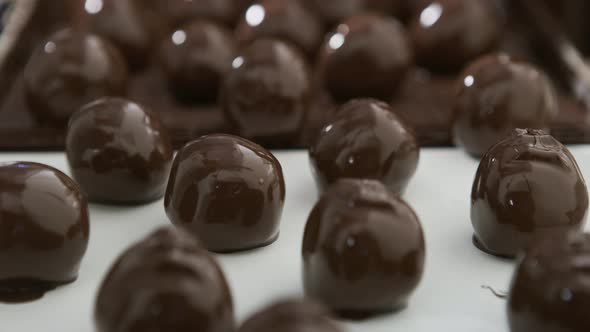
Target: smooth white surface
{"x": 450, "y": 297}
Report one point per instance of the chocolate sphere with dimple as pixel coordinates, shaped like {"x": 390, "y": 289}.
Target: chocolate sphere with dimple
{"x": 365, "y": 140}
{"x": 196, "y": 58}
{"x": 447, "y": 34}
{"x": 287, "y": 20}
{"x": 166, "y": 282}
{"x": 119, "y": 152}
{"x": 363, "y": 250}
{"x": 550, "y": 290}
{"x": 70, "y": 70}
{"x": 366, "y": 56}
{"x": 496, "y": 95}
{"x": 291, "y": 316}
{"x": 129, "y": 25}
{"x": 44, "y": 230}
{"x": 267, "y": 94}
{"x": 527, "y": 185}
{"x": 228, "y": 191}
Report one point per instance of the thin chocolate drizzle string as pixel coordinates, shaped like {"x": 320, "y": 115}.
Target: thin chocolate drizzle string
{"x": 499, "y": 294}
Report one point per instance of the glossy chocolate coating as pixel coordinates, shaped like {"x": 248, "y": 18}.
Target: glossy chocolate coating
{"x": 180, "y": 12}
{"x": 196, "y": 58}
{"x": 366, "y": 139}
{"x": 119, "y": 152}
{"x": 291, "y": 316}
{"x": 128, "y": 25}
{"x": 70, "y": 70}
{"x": 496, "y": 95}
{"x": 44, "y": 230}
{"x": 363, "y": 250}
{"x": 333, "y": 12}
{"x": 288, "y": 20}
{"x": 167, "y": 282}
{"x": 447, "y": 34}
{"x": 267, "y": 94}
{"x": 228, "y": 191}
{"x": 527, "y": 185}
{"x": 366, "y": 56}
{"x": 550, "y": 290}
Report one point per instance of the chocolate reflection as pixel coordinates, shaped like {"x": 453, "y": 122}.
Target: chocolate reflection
{"x": 496, "y": 95}
{"x": 44, "y": 230}
{"x": 366, "y": 140}
{"x": 366, "y": 56}
{"x": 527, "y": 185}
{"x": 281, "y": 19}
{"x": 119, "y": 152}
{"x": 228, "y": 191}
{"x": 69, "y": 70}
{"x": 166, "y": 282}
{"x": 449, "y": 33}
{"x": 363, "y": 250}
{"x": 550, "y": 287}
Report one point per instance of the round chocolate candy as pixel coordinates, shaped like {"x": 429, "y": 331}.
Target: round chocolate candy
{"x": 363, "y": 250}
{"x": 367, "y": 55}
{"x": 496, "y": 95}
{"x": 44, "y": 230}
{"x": 527, "y": 185}
{"x": 550, "y": 290}
{"x": 129, "y": 25}
{"x": 196, "y": 58}
{"x": 402, "y": 9}
{"x": 180, "y": 12}
{"x": 447, "y": 34}
{"x": 366, "y": 140}
{"x": 119, "y": 152}
{"x": 267, "y": 94}
{"x": 228, "y": 191}
{"x": 291, "y": 316}
{"x": 281, "y": 19}
{"x": 70, "y": 70}
{"x": 332, "y": 12}
{"x": 166, "y": 282}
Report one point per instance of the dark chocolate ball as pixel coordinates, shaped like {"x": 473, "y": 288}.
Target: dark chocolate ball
{"x": 196, "y": 58}
{"x": 291, "y": 316}
{"x": 70, "y": 70}
{"x": 363, "y": 250}
{"x": 402, "y": 9}
{"x": 367, "y": 55}
{"x": 228, "y": 191}
{"x": 179, "y": 12}
{"x": 44, "y": 230}
{"x": 332, "y": 12}
{"x": 267, "y": 94}
{"x": 527, "y": 185}
{"x": 366, "y": 140}
{"x": 129, "y": 25}
{"x": 447, "y": 34}
{"x": 550, "y": 290}
{"x": 119, "y": 152}
{"x": 496, "y": 95}
{"x": 166, "y": 282}
{"x": 288, "y": 20}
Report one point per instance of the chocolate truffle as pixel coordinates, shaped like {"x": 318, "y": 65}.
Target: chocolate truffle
{"x": 447, "y": 34}
{"x": 44, "y": 230}
{"x": 291, "y": 316}
{"x": 228, "y": 191}
{"x": 332, "y": 12}
{"x": 496, "y": 95}
{"x": 550, "y": 290}
{"x": 179, "y": 12}
{"x": 267, "y": 94}
{"x": 366, "y": 56}
{"x": 365, "y": 139}
{"x": 70, "y": 70}
{"x": 196, "y": 58}
{"x": 119, "y": 152}
{"x": 288, "y": 20}
{"x": 528, "y": 184}
{"x": 166, "y": 282}
{"x": 363, "y": 250}
{"x": 128, "y": 25}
